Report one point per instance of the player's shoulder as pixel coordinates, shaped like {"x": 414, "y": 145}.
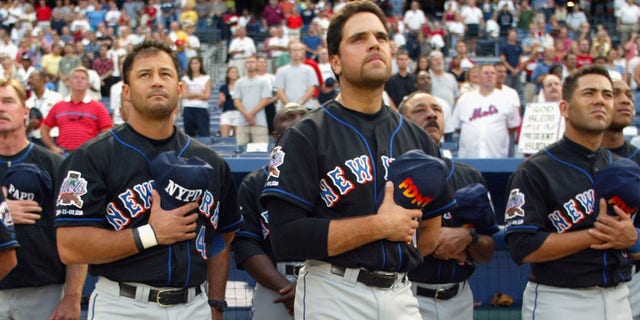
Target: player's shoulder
{"x": 46, "y": 155}
{"x": 255, "y": 178}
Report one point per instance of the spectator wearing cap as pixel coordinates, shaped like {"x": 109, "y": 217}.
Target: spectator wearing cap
{"x": 26, "y": 66}
{"x": 78, "y": 117}
{"x": 40, "y": 103}
{"x": 328, "y": 91}
{"x": 40, "y": 287}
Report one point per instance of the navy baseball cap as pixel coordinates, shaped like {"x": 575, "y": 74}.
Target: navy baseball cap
{"x": 619, "y": 184}
{"x": 179, "y": 180}
{"x": 475, "y": 209}
{"x": 26, "y": 181}
{"x": 417, "y": 178}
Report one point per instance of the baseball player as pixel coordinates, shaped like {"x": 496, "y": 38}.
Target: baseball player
{"x": 8, "y": 242}
{"x": 577, "y": 253}
{"x": 152, "y": 254}
{"x": 440, "y": 283}
{"x": 275, "y": 288}
{"x": 328, "y": 172}
{"x": 613, "y": 139}
{"x": 40, "y": 286}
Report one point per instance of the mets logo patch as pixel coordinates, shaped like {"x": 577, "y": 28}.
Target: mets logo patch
{"x": 72, "y": 189}
{"x": 276, "y": 160}
{"x": 514, "y": 204}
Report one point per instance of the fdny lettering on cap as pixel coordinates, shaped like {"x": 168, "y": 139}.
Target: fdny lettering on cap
{"x": 616, "y": 201}
{"x": 181, "y": 193}
{"x": 410, "y": 191}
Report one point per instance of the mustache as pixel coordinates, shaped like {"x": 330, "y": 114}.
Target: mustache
{"x": 432, "y": 123}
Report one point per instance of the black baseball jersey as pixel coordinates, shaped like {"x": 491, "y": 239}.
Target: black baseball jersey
{"x": 106, "y": 183}
{"x": 333, "y": 164}
{"x": 434, "y": 270}
{"x": 253, "y": 237}
{"x": 38, "y": 260}
{"x": 8, "y": 239}
{"x": 553, "y": 192}
{"x": 632, "y": 153}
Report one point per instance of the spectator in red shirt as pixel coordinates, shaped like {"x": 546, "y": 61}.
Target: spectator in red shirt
{"x": 78, "y": 117}
{"x": 294, "y": 24}
{"x": 583, "y": 56}
{"x": 43, "y": 14}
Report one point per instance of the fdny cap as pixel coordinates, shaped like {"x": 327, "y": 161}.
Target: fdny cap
{"x": 417, "y": 179}
{"x": 26, "y": 181}
{"x": 179, "y": 180}
{"x": 475, "y": 209}
{"x": 619, "y": 184}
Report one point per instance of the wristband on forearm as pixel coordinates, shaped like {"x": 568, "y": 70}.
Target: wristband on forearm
{"x": 144, "y": 237}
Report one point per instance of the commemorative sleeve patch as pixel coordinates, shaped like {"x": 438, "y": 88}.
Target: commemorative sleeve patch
{"x": 514, "y": 213}
{"x": 72, "y": 189}
{"x": 275, "y": 161}
{"x": 5, "y": 216}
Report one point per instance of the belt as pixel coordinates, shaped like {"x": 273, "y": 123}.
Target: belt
{"x": 441, "y": 294}
{"x": 292, "y": 270}
{"x": 366, "y": 277}
{"x": 162, "y": 297}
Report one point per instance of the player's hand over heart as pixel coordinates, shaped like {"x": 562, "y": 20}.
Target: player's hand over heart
{"x": 23, "y": 211}
{"x": 452, "y": 243}
{"x": 175, "y": 225}
{"x": 398, "y": 224}
{"x": 615, "y": 232}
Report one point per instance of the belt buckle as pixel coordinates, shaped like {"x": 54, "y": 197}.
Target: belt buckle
{"x": 436, "y": 296}
{"x": 296, "y": 269}
{"x": 160, "y": 295}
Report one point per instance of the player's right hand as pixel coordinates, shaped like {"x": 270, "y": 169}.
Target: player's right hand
{"x": 23, "y": 211}
{"x": 172, "y": 226}
{"x": 287, "y": 296}
{"x": 397, "y": 223}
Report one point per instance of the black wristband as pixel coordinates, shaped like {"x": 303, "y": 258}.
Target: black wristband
{"x": 137, "y": 240}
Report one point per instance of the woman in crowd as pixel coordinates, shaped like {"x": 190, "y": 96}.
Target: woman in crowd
{"x": 195, "y": 101}
{"x": 230, "y": 116}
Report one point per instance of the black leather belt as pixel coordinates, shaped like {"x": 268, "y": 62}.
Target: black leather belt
{"x": 366, "y": 277}
{"x": 161, "y": 297}
{"x": 292, "y": 270}
{"x": 439, "y": 294}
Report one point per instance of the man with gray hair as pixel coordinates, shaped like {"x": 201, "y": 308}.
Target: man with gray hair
{"x": 444, "y": 84}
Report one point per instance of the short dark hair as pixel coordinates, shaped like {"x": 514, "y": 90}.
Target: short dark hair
{"x": 335, "y": 30}
{"x": 571, "y": 82}
{"x": 143, "y": 49}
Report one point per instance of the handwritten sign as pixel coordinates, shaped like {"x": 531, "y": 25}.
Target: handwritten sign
{"x": 542, "y": 125}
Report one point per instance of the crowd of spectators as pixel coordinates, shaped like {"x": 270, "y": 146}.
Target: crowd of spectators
{"x": 530, "y": 38}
